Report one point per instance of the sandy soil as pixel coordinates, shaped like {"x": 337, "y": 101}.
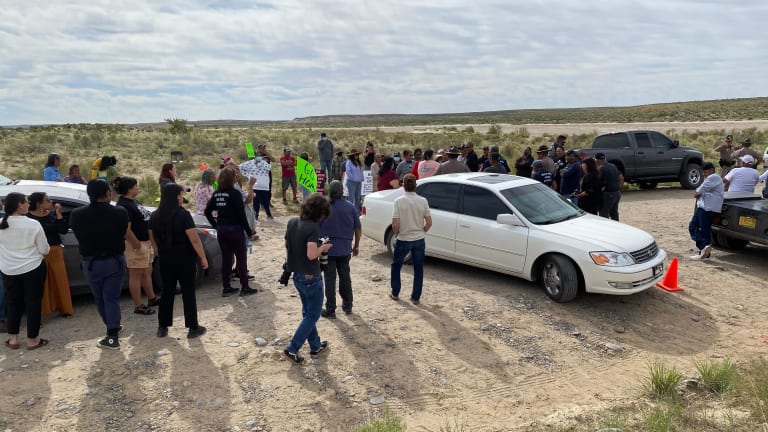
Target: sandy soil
{"x": 485, "y": 348}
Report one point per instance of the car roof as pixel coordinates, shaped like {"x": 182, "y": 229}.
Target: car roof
{"x": 487, "y": 180}
{"x": 72, "y": 191}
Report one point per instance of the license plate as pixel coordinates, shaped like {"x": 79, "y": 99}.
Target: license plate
{"x": 747, "y": 222}
{"x": 658, "y": 269}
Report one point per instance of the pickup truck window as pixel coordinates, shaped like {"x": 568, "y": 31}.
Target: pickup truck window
{"x": 642, "y": 140}
{"x": 481, "y": 203}
{"x": 661, "y": 140}
{"x": 611, "y": 141}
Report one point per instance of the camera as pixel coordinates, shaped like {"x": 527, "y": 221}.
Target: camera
{"x": 286, "y": 276}
{"x": 324, "y": 255}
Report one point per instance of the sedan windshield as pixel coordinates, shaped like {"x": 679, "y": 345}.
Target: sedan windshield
{"x": 540, "y": 204}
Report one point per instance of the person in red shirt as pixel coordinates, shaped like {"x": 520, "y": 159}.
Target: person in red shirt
{"x": 288, "y": 166}
{"x": 387, "y": 175}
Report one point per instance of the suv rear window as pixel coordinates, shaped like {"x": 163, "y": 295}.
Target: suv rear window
{"x": 611, "y": 141}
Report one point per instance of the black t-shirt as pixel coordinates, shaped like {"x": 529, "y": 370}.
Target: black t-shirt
{"x": 172, "y": 237}
{"x": 369, "y": 159}
{"x": 610, "y": 175}
{"x": 228, "y": 203}
{"x": 52, "y": 227}
{"x": 100, "y": 229}
{"x": 137, "y": 218}
{"x": 298, "y": 233}
{"x": 473, "y": 163}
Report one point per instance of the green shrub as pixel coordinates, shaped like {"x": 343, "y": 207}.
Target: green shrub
{"x": 718, "y": 377}
{"x": 663, "y": 381}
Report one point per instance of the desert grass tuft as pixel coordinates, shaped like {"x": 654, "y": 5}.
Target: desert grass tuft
{"x": 719, "y": 377}
{"x": 662, "y": 381}
{"x": 386, "y": 423}
{"x": 753, "y": 384}
{"x": 457, "y": 425}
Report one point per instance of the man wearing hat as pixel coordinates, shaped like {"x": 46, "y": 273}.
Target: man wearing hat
{"x": 744, "y": 178}
{"x": 559, "y": 142}
{"x": 100, "y": 229}
{"x": 337, "y": 166}
{"x": 288, "y": 172}
{"x": 709, "y": 202}
{"x": 746, "y": 149}
{"x": 726, "y": 155}
{"x": 325, "y": 152}
{"x": 538, "y": 172}
{"x": 613, "y": 181}
{"x": 543, "y": 156}
{"x": 452, "y": 165}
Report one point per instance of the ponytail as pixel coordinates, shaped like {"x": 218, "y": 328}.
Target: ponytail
{"x": 12, "y": 202}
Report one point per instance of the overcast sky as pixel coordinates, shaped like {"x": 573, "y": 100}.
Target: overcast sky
{"x": 143, "y": 61}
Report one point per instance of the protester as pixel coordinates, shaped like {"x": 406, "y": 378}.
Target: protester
{"x": 558, "y": 143}
{"x": 425, "y": 167}
{"x": 709, "y": 202}
{"x": 138, "y": 249}
{"x": 288, "y": 173}
{"x": 502, "y": 161}
{"x": 23, "y": 247}
{"x": 495, "y": 165}
{"x": 230, "y": 223}
{"x": 56, "y": 293}
{"x": 101, "y": 230}
{"x": 3, "y": 323}
{"x": 302, "y": 236}
{"x": 375, "y": 168}
{"x": 51, "y": 171}
{"x": 523, "y": 164}
{"x": 484, "y": 157}
{"x": 540, "y": 173}
{"x": 452, "y": 165}
{"x": 174, "y": 236}
{"x": 613, "y": 181}
{"x": 744, "y": 178}
{"x": 204, "y": 191}
{"x": 410, "y": 222}
{"x": 472, "y": 161}
{"x": 74, "y": 175}
{"x": 369, "y": 155}
{"x": 405, "y": 166}
{"x": 387, "y": 175}
{"x": 342, "y": 227}
{"x": 104, "y": 168}
{"x": 591, "y": 191}
{"x": 261, "y": 187}
{"x": 337, "y": 165}
{"x": 353, "y": 178}
{"x": 261, "y": 151}
{"x": 560, "y": 163}
{"x": 325, "y": 152}
{"x": 570, "y": 177}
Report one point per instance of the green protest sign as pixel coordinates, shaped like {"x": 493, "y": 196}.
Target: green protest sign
{"x": 249, "y": 150}
{"x": 306, "y": 175}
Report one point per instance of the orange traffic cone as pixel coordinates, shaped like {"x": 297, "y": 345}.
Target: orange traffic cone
{"x": 670, "y": 279}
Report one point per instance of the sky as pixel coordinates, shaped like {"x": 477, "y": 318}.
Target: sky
{"x": 135, "y": 61}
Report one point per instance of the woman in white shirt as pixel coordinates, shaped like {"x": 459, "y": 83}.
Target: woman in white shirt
{"x": 23, "y": 246}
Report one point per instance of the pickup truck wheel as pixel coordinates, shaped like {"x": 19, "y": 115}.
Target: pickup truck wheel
{"x": 559, "y": 278}
{"x": 691, "y": 176}
{"x": 647, "y": 184}
{"x": 390, "y": 240}
{"x": 730, "y": 242}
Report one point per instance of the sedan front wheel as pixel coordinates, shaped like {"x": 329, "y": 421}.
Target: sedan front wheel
{"x": 559, "y": 278}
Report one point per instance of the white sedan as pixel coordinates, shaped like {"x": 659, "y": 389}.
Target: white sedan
{"x": 518, "y": 226}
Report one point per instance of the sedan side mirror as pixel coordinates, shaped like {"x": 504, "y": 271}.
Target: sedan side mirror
{"x": 509, "y": 219}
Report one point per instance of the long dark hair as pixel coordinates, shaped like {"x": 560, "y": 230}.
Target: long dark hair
{"x": 592, "y": 169}
{"x": 12, "y": 201}
{"x": 165, "y": 172}
{"x": 35, "y": 198}
{"x": 52, "y": 158}
{"x": 355, "y": 159}
{"x": 387, "y": 165}
{"x": 227, "y": 177}
{"x": 123, "y": 184}
{"x": 166, "y": 210}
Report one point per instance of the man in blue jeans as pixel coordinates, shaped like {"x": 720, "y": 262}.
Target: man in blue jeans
{"x": 709, "y": 202}
{"x": 410, "y": 222}
{"x": 301, "y": 242}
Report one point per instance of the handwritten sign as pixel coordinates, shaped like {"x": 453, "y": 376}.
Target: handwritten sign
{"x": 367, "y": 183}
{"x": 306, "y": 175}
{"x": 249, "y": 150}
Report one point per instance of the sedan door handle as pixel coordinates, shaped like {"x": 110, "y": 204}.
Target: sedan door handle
{"x": 464, "y": 226}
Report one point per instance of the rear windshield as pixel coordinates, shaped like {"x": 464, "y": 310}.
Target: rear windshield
{"x": 611, "y": 141}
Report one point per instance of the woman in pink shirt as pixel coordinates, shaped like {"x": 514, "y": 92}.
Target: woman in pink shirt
{"x": 426, "y": 167}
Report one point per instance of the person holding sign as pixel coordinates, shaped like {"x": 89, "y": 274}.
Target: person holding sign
{"x": 353, "y": 175}
{"x": 288, "y": 166}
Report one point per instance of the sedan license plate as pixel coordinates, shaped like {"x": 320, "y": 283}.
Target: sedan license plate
{"x": 748, "y": 222}
{"x": 658, "y": 269}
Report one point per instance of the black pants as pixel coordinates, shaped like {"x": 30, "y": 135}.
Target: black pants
{"x": 176, "y": 266}
{"x": 340, "y": 265}
{"x": 24, "y": 293}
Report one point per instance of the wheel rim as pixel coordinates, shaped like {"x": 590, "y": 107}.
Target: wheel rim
{"x": 551, "y": 277}
{"x": 694, "y": 176}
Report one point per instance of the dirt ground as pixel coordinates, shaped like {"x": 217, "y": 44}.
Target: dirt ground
{"x": 484, "y": 348}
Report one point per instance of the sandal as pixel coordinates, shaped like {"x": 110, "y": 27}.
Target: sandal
{"x": 42, "y": 343}
{"x": 10, "y": 345}
{"x": 142, "y": 309}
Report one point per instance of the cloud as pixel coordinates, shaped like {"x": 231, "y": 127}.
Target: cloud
{"x": 143, "y": 61}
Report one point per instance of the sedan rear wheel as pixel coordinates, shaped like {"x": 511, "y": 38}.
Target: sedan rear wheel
{"x": 559, "y": 278}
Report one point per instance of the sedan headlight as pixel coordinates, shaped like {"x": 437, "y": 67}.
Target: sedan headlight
{"x": 612, "y": 259}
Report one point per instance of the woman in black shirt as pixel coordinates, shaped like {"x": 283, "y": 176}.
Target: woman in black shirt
{"x": 138, "y": 250}
{"x": 591, "y": 196}
{"x": 56, "y": 293}
{"x": 174, "y": 237}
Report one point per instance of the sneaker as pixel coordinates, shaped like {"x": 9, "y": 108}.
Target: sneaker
{"x": 347, "y": 311}
{"x": 109, "y": 342}
{"x": 293, "y": 356}
{"x": 153, "y": 302}
{"x": 248, "y": 291}
{"x": 414, "y": 301}
{"x": 706, "y": 252}
{"x": 328, "y": 314}
{"x": 162, "y": 332}
{"x": 226, "y": 292}
{"x": 323, "y": 347}
{"x": 196, "y": 332}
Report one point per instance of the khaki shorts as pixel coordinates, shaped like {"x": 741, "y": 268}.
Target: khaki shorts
{"x": 141, "y": 258}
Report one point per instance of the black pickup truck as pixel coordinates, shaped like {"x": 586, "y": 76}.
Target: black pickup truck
{"x": 649, "y": 157}
{"x": 743, "y": 218}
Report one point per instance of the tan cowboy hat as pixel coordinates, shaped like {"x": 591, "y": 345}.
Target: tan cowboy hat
{"x": 543, "y": 149}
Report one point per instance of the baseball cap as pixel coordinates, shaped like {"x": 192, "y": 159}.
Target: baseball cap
{"x": 708, "y": 166}
{"x": 286, "y": 149}
{"x": 747, "y": 159}
{"x": 537, "y": 164}
{"x": 572, "y": 153}
{"x": 396, "y": 154}
{"x": 599, "y": 156}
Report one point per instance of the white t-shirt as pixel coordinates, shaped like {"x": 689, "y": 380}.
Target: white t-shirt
{"x": 411, "y": 209}
{"x": 22, "y": 245}
{"x": 742, "y": 179}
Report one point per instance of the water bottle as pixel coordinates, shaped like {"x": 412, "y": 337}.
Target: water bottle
{"x": 324, "y": 255}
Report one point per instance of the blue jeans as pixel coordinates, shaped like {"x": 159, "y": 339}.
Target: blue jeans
{"x": 355, "y": 189}
{"x": 311, "y": 294}
{"x": 105, "y": 276}
{"x": 326, "y": 165}
{"x": 2, "y": 299}
{"x": 700, "y": 227}
{"x": 417, "y": 250}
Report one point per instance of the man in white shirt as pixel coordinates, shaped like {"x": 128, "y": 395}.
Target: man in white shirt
{"x": 709, "y": 201}
{"x": 410, "y": 222}
{"x": 744, "y": 178}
